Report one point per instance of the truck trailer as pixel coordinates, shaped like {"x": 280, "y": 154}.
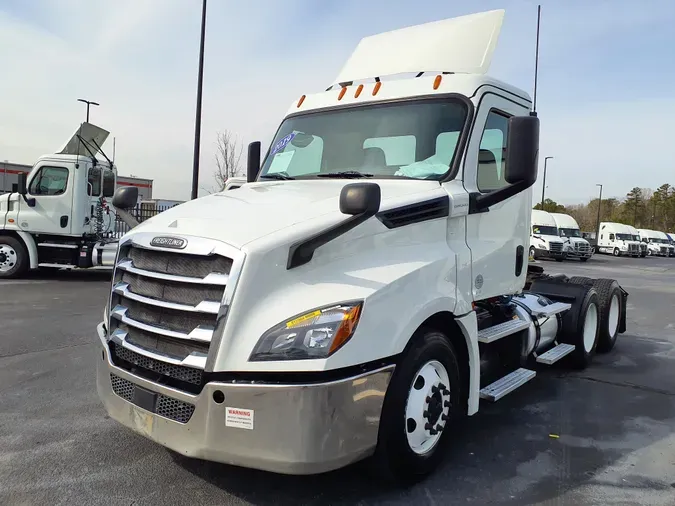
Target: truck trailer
{"x": 374, "y": 287}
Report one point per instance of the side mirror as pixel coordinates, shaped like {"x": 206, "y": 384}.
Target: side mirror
{"x": 522, "y": 150}
{"x": 360, "y": 198}
{"x": 253, "y": 161}
{"x": 125, "y": 197}
{"x": 21, "y": 188}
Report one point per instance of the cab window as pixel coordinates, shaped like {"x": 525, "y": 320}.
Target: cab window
{"x": 492, "y": 154}
{"x": 108, "y": 183}
{"x": 94, "y": 182}
{"x": 49, "y": 181}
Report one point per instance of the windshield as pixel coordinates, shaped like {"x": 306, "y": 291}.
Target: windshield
{"x": 541, "y": 230}
{"x": 570, "y": 232}
{"x": 409, "y": 139}
{"x": 624, "y": 237}
{"x": 636, "y": 237}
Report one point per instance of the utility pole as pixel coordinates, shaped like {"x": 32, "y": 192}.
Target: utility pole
{"x": 654, "y": 212}
{"x": 635, "y": 211}
{"x": 543, "y": 186}
{"x": 198, "y": 115}
{"x": 597, "y": 231}
{"x": 88, "y": 102}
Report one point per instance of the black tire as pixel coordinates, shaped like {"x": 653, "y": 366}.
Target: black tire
{"x": 13, "y": 258}
{"x": 584, "y": 259}
{"x": 573, "y": 326}
{"x": 533, "y": 252}
{"x": 608, "y": 291}
{"x": 616, "y": 252}
{"x": 559, "y": 259}
{"x": 394, "y": 459}
{"x": 580, "y": 280}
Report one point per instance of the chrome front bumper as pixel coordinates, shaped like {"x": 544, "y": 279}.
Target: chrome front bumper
{"x": 296, "y": 429}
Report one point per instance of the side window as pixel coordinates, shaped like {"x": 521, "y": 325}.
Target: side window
{"x": 49, "y": 181}
{"x": 492, "y": 155}
{"x": 108, "y": 183}
{"x": 94, "y": 182}
{"x": 611, "y": 237}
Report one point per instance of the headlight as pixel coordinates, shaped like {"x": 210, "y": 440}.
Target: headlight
{"x": 315, "y": 334}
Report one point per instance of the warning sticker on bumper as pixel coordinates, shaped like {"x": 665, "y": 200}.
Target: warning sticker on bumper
{"x": 239, "y": 418}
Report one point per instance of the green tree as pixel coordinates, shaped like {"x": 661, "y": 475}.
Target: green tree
{"x": 551, "y": 206}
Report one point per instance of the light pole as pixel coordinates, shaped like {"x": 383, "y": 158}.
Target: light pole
{"x": 198, "y": 115}
{"x": 88, "y": 102}
{"x": 597, "y": 231}
{"x": 543, "y": 186}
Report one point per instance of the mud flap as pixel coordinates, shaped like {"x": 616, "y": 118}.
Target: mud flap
{"x": 622, "y": 319}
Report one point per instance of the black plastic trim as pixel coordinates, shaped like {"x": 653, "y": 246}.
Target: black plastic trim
{"x": 302, "y": 251}
{"x": 415, "y": 213}
{"x": 529, "y": 102}
{"x": 295, "y": 378}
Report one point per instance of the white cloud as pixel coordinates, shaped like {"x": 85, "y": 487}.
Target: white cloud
{"x": 139, "y": 60}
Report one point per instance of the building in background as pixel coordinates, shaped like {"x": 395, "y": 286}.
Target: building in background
{"x": 9, "y": 175}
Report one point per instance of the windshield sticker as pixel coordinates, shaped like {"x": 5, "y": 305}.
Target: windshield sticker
{"x": 280, "y": 162}
{"x": 283, "y": 143}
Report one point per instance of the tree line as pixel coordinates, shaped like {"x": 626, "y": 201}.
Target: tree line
{"x": 641, "y": 207}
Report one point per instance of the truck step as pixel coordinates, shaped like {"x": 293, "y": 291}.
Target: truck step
{"x": 555, "y": 354}
{"x": 507, "y": 384}
{"x": 492, "y": 334}
{"x": 551, "y": 309}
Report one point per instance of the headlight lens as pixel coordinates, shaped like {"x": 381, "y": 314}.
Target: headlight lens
{"x": 316, "y": 334}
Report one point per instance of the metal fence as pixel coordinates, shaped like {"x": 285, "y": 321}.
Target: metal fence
{"x": 141, "y": 212}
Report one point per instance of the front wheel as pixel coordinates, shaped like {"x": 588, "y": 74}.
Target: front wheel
{"x": 422, "y": 401}
{"x": 13, "y": 258}
{"x": 616, "y": 252}
{"x": 532, "y": 252}
{"x": 584, "y": 259}
{"x": 559, "y": 259}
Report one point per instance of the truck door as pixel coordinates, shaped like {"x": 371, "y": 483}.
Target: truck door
{"x": 50, "y": 184}
{"x": 498, "y": 238}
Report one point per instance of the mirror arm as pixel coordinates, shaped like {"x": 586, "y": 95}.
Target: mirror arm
{"x": 127, "y": 218}
{"x": 481, "y": 202}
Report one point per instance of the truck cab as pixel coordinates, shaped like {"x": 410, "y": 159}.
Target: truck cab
{"x": 367, "y": 289}
{"x": 575, "y": 245}
{"x": 545, "y": 238}
{"x": 657, "y": 242}
{"x": 61, "y": 208}
{"x": 635, "y": 235}
{"x": 616, "y": 239}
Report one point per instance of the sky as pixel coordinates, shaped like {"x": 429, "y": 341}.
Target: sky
{"x": 606, "y": 78}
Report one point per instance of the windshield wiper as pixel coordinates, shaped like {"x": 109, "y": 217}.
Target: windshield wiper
{"x": 347, "y": 174}
{"x": 281, "y": 176}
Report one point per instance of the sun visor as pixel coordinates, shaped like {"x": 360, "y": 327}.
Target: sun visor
{"x": 86, "y": 133}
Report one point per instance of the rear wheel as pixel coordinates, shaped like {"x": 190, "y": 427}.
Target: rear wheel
{"x": 422, "y": 400}
{"x": 580, "y": 327}
{"x": 13, "y": 258}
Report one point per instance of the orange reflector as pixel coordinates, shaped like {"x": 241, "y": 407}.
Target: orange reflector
{"x": 378, "y": 84}
{"x": 342, "y": 93}
{"x": 358, "y": 91}
{"x": 302, "y": 99}
{"x": 346, "y": 328}
{"x": 437, "y": 81}
{"x": 11, "y": 220}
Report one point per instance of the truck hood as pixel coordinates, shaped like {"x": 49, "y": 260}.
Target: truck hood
{"x": 255, "y": 210}
{"x": 548, "y": 238}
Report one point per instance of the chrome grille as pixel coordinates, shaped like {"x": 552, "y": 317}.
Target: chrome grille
{"x": 165, "y": 305}
{"x": 167, "y": 407}
{"x": 664, "y": 250}
{"x": 556, "y": 247}
{"x": 582, "y": 247}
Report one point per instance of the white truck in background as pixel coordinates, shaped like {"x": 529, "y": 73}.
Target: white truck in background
{"x": 635, "y": 235}
{"x": 60, "y": 216}
{"x": 658, "y": 243}
{"x": 545, "y": 241}
{"x": 616, "y": 239}
{"x": 371, "y": 291}
{"x": 575, "y": 246}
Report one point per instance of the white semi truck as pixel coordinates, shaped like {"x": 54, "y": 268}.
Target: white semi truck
{"x": 575, "y": 245}
{"x": 59, "y": 217}
{"x": 617, "y": 239}
{"x": 544, "y": 237}
{"x": 658, "y": 243}
{"x": 373, "y": 287}
{"x": 635, "y": 235}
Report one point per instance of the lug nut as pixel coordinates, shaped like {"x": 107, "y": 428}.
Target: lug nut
{"x": 439, "y": 427}
{"x": 434, "y": 389}
{"x": 428, "y": 426}
{"x": 428, "y": 399}
{"x": 445, "y": 418}
{"x": 433, "y": 432}
{"x": 447, "y": 404}
{"x": 425, "y": 414}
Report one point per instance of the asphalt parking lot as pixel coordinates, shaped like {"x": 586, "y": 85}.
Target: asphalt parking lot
{"x": 615, "y": 421}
